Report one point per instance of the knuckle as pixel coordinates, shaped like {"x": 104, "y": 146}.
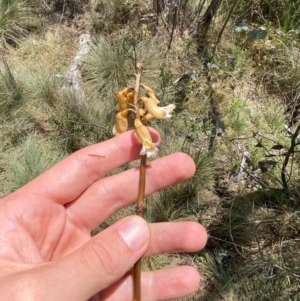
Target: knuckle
{"x": 100, "y": 259}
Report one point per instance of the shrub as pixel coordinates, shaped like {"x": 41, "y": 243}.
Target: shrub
{"x": 17, "y": 19}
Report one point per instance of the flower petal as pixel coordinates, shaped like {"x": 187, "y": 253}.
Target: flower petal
{"x": 155, "y": 111}
{"x": 150, "y": 92}
{"x": 121, "y": 125}
{"x": 143, "y": 135}
{"x": 168, "y": 109}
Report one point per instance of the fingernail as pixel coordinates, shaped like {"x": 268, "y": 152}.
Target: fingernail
{"x": 134, "y": 232}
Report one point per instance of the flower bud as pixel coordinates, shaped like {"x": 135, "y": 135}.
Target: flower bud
{"x": 122, "y": 98}
{"x": 121, "y": 125}
{"x": 130, "y": 97}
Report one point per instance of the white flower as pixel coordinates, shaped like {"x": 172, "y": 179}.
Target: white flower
{"x": 150, "y": 152}
{"x": 168, "y": 110}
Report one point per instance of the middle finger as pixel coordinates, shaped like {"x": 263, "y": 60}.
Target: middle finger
{"x": 106, "y": 196}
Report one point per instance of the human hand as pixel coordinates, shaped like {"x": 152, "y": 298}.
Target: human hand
{"x": 47, "y": 252}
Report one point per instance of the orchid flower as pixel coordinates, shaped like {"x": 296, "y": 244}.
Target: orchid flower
{"x": 147, "y": 117}
{"x": 143, "y": 135}
{"x": 130, "y": 97}
{"x": 121, "y": 125}
{"x": 122, "y": 98}
{"x": 154, "y": 110}
{"x": 150, "y": 92}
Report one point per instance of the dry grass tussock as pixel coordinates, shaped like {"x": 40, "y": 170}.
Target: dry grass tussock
{"x": 237, "y": 109}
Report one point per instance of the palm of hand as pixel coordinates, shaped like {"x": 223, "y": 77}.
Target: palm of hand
{"x": 38, "y": 233}
{"x": 51, "y": 218}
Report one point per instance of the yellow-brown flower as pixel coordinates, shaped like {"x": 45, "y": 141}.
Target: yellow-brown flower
{"x": 150, "y": 92}
{"x": 147, "y": 117}
{"x": 121, "y": 125}
{"x": 155, "y": 111}
{"x": 130, "y": 97}
{"x": 143, "y": 135}
{"x": 122, "y": 98}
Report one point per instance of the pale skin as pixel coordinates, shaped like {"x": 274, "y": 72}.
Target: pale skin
{"x": 47, "y": 253}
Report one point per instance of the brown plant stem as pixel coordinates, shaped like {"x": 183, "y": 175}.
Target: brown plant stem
{"x": 142, "y": 183}
{"x": 173, "y": 25}
{"x": 137, "y": 269}
{"x": 234, "y": 4}
{"x": 138, "y": 73}
{"x": 290, "y": 151}
{"x": 141, "y": 193}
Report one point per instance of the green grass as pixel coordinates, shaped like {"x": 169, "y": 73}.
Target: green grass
{"x": 17, "y": 19}
{"x": 11, "y": 97}
{"x": 110, "y": 64}
{"x": 31, "y": 159}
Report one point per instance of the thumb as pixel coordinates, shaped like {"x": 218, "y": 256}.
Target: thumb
{"x": 100, "y": 262}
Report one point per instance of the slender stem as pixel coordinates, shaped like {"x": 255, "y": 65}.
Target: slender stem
{"x": 138, "y": 73}
{"x": 137, "y": 271}
{"x": 286, "y": 160}
{"x": 140, "y": 212}
{"x": 226, "y": 21}
{"x": 173, "y": 26}
{"x": 141, "y": 193}
{"x": 142, "y": 184}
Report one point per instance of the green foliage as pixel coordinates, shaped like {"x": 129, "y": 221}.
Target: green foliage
{"x": 220, "y": 273}
{"x": 282, "y": 14}
{"x": 181, "y": 202}
{"x": 166, "y": 77}
{"x": 109, "y": 16}
{"x": 108, "y": 67}
{"x": 31, "y": 159}
{"x": 238, "y": 118}
{"x": 77, "y": 123}
{"x": 110, "y": 64}
{"x": 72, "y": 7}
{"x": 285, "y": 13}
{"x": 11, "y": 92}
{"x": 70, "y": 124}
{"x": 56, "y": 10}
{"x": 123, "y": 11}
{"x": 42, "y": 89}
{"x": 17, "y": 19}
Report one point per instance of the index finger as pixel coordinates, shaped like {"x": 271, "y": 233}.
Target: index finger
{"x": 66, "y": 180}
